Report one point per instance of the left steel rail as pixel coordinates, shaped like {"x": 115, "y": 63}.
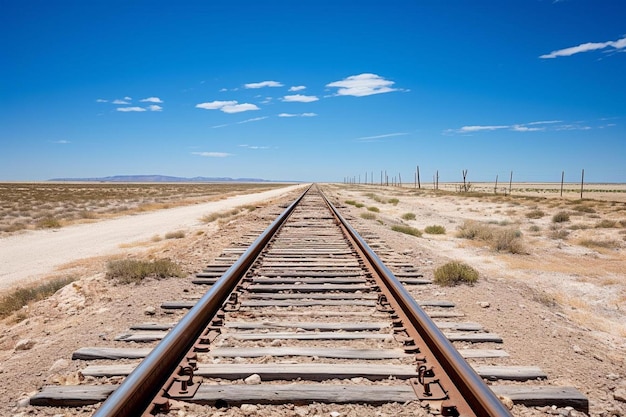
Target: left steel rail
{"x": 135, "y": 396}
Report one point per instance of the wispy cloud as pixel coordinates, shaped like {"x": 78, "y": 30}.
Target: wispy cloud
{"x": 213, "y": 154}
{"x": 119, "y": 101}
{"x": 130, "y": 109}
{"x": 151, "y": 100}
{"x": 375, "y": 138}
{"x": 155, "y": 107}
{"x": 101, "y": 100}
{"x": 254, "y": 119}
{"x": 297, "y": 88}
{"x": 538, "y": 126}
{"x": 300, "y": 98}
{"x": 254, "y": 147}
{"x": 231, "y": 106}
{"x": 618, "y": 45}
{"x": 61, "y": 142}
{"x": 363, "y": 85}
{"x": 297, "y": 115}
{"x": 263, "y": 84}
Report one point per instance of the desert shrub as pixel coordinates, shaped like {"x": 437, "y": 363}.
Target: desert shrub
{"x": 48, "y": 222}
{"x": 508, "y": 240}
{"x": 535, "y": 214}
{"x": 558, "y": 232}
{"x": 606, "y": 224}
{"x": 606, "y": 244}
{"x": 560, "y": 217}
{"x": 455, "y": 273}
{"x": 583, "y": 209}
{"x": 374, "y": 209}
{"x": 534, "y": 228}
{"x": 474, "y": 230}
{"x": 393, "y": 201}
{"x": 408, "y": 216}
{"x": 20, "y": 297}
{"x": 126, "y": 271}
{"x": 359, "y": 205}
{"x": 368, "y": 216}
{"x": 435, "y": 230}
{"x": 406, "y": 230}
{"x": 209, "y": 218}
{"x": 351, "y": 202}
{"x": 175, "y": 235}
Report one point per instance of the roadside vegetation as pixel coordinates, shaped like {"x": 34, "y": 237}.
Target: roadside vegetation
{"x": 455, "y": 273}
{"x": 129, "y": 271}
{"x": 27, "y": 206}
{"x": 407, "y": 230}
{"x": 500, "y": 239}
{"x": 20, "y": 297}
{"x": 408, "y": 216}
{"x": 435, "y": 230}
{"x": 368, "y": 216}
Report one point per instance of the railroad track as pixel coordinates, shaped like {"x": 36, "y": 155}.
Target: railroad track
{"x": 306, "y": 314}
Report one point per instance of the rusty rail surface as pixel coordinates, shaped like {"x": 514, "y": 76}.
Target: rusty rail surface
{"x": 439, "y": 362}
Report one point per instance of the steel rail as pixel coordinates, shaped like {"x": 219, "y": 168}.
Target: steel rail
{"x": 136, "y": 393}
{"x": 471, "y": 386}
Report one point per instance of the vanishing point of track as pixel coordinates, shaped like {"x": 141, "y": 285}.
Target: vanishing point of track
{"x": 309, "y": 287}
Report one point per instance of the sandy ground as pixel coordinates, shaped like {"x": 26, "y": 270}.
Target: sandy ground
{"x": 29, "y": 256}
{"x": 560, "y": 306}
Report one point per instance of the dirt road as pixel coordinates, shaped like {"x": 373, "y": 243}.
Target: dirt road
{"x": 29, "y": 256}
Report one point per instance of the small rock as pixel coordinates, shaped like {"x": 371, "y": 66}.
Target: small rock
{"x": 613, "y": 377}
{"x": 484, "y": 304}
{"x": 253, "y": 379}
{"x": 508, "y": 403}
{"x": 24, "y": 344}
{"x": 276, "y": 343}
{"x": 301, "y": 411}
{"x": 23, "y": 402}
{"x": 248, "y": 409}
{"x": 149, "y": 311}
{"x": 620, "y": 395}
{"x": 335, "y": 414}
{"x": 577, "y": 349}
{"x": 59, "y": 364}
{"x": 102, "y": 336}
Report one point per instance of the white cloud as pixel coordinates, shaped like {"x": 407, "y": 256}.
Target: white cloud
{"x": 520, "y": 128}
{"x": 212, "y": 154}
{"x": 297, "y": 88}
{"x": 388, "y": 135}
{"x": 254, "y": 119}
{"x": 218, "y": 126}
{"x": 363, "y": 85}
{"x": 479, "y": 128}
{"x": 231, "y": 106}
{"x": 118, "y": 101}
{"x": 238, "y": 108}
{"x": 539, "y": 126}
{"x": 155, "y": 107}
{"x": 263, "y": 84}
{"x": 151, "y": 100}
{"x": 253, "y": 147}
{"x": 300, "y": 98}
{"x": 297, "y": 115}
{"x": 128, "y": 98}
{"x": 61, "y": 142}
{"x": 586, "y": 47}
{"x": 223, "y": 90}
{"x": 215, "y": 105}
{"x": 130, "y": 109}
{"x": 101, "y": 100}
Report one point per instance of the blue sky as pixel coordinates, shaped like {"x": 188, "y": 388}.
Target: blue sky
{"x": 313, "y": 90}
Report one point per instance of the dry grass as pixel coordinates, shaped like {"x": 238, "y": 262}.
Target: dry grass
{"x": 501, "y": 240}
{"x": 408, "y": 216}
{"x": 175, "y": 235}
{"x": 127, "y": 271}
{"x": 21, "y": 297}
{"x": 435, "y": 230}
{"x": 455, "y": 273}
{"x": 51, "y": 205}
{"x": 594, "y": 243}
{"x": 374, "y": 209}
{"x": 535, "y": 214}
{"x": 368, "y": 216}
{"x": 408, "y": 230}
{"x": 560, "y": 217}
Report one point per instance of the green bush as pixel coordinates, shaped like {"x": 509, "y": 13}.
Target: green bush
{"x": 560, "y": 217}
{"x": 455, "y": 273}
{"x": 48, "y": 222}
{"x": 368, "y": 216}
{"x": 393, "y": 201}
{"x": 435, "y": 230}
{"x": 406, "y": 230}
{"x": 408, "y": 216}
{"x": 374, "y": 209}
{"x": 126, "y": 271}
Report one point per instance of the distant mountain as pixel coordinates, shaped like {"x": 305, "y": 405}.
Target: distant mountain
{"x": 159, "y": 178}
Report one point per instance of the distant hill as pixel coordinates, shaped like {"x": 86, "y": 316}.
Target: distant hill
{"x": 159, "y": 178}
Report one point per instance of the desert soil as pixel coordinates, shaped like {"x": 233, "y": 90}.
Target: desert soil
{"x": 559, "y": 305}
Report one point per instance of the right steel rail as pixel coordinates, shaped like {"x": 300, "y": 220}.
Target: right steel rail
{"x": 469, "y": 395}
